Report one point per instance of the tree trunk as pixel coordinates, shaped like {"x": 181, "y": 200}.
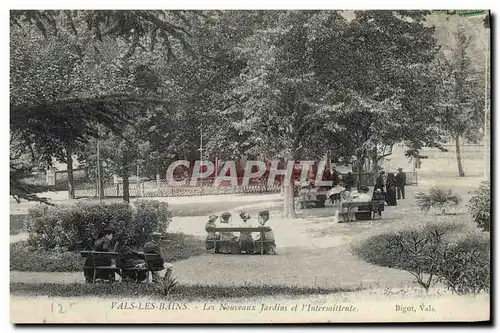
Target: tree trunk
{"x": 126, "y": 187}
{"x": 158, "y": 179}
{"x": 288, "y": 203}
{"x": 71, "y": 180}
{"x": 101, "y": 181}
{"x": 459, "y": 158}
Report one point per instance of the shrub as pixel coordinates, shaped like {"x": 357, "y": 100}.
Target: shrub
{"x": 78, "y": 226}
{"x": 166, "y": 284}
{"x": 25, "y": 258}
{"x": 437, "y": 198}
{"x": 465, "y": 268}
{"x": 480, "y": 206}
{"x": 431, "y": 253}
{"x": 17, "y": 223}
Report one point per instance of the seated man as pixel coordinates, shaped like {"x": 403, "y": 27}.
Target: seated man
{"x": 246, "y": 243}
{"x": 269, "y": 244}
{"x": 103, "y": 244}
{"x": 153, "y": 247}
{"x": 211, "y": 235}
{"x": 226, "y": 237}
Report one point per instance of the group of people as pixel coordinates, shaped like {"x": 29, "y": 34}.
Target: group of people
{"x": 129, "y": 268}
{"x": 247, "y": 243}
{"x": 392, "y": 185}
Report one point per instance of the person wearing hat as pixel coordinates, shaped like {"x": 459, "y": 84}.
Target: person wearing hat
{"x": 400, "y": 183}
{"x": 211, "y": 234}
{"x": 228, "y": 241}
{"x": 246, "y": 240}
{"x": 269, "y": 242}
{"x": 153, "y": 247}
{"x": 102, "y": 244}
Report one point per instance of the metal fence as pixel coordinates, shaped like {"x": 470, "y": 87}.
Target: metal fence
{"x": 154, "y": 188}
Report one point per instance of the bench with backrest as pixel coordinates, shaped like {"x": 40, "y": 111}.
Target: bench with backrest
{"x": 99, "y": 256}
{"x": 261, "y": 230}
{"x": 365, "y": 209}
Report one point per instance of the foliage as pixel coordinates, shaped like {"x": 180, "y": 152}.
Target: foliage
{"x": 78, "y": 226}
{"x": 17, "y": 223}
{"x": 437, "y": 198}
{"x": 166, "y": 284}
{"x": 465, "y": 267}
{"x": 181, "y": 292}
{"x": 431, "y": 254}
{"x": 480, "y": 206}
{"x": 25, "y": 258}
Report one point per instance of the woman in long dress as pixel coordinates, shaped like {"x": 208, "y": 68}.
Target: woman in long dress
{"x": 228, "y": 240}
{"x": 246, "y": 241}
{"x": 211, "y": 235}
{"x": 390, "y": 186}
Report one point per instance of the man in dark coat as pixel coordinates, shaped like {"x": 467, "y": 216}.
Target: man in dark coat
{"x": 153, "y": 247}
{"x": 334, "y": 177}
{"x": 103, "y": 244}
{"x": 400, "y": 183}
{"x": 379, "y": 182}
{"x": 349, "y": 181}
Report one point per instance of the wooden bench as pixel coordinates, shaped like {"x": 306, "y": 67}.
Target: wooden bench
{"x": 365, "y": 213}
{"x": 261, "y": 230}
{"x": 96, "y": 255}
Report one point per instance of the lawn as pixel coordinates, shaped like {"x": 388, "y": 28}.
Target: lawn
{"x": 177, "y": 246}
{"x": 184, "y": 292}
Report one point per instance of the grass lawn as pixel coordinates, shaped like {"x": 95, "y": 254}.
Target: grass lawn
{"x": 23, "y": 258}
{"x": 184, "y": 292}
{"x": 17, "y": 223}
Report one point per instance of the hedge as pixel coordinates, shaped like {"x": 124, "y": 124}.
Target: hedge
{"x": 78, "y": 226}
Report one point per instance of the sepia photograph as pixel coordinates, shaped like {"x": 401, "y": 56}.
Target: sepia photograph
{"x": 249, "y": 166}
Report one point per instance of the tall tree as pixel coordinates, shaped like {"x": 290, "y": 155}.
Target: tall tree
{"x": 462, "y": 115}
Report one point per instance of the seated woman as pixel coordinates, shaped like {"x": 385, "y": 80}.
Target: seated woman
{"x": 378, "y": 203}
{"x": 103, "y": 244}
{"x": 364, "y": 197}
{"x": 335, "y": 194}
{"x": 226, "y": 237}
{"x": 211, "y": 235}
{"x": 269, "y": 244}
{"x": 132, "y": 269}
{"x": 246, "y": 241}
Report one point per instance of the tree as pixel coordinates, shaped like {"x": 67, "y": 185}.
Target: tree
{"x": 462, "y": 115}
{"x": 37, "y": 108}
{"x": 389, "y": 76}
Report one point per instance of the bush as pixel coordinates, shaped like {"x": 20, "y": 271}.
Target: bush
{"x": 78, "y": 226}
{"x": 17, "y": 223}
{"x": 437, "y": 198}
{"x": 465, "y": 267}
{"x": 480, "y": 206}
{"x": 25, "y": 258}
{"x": 432, "y": 254}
